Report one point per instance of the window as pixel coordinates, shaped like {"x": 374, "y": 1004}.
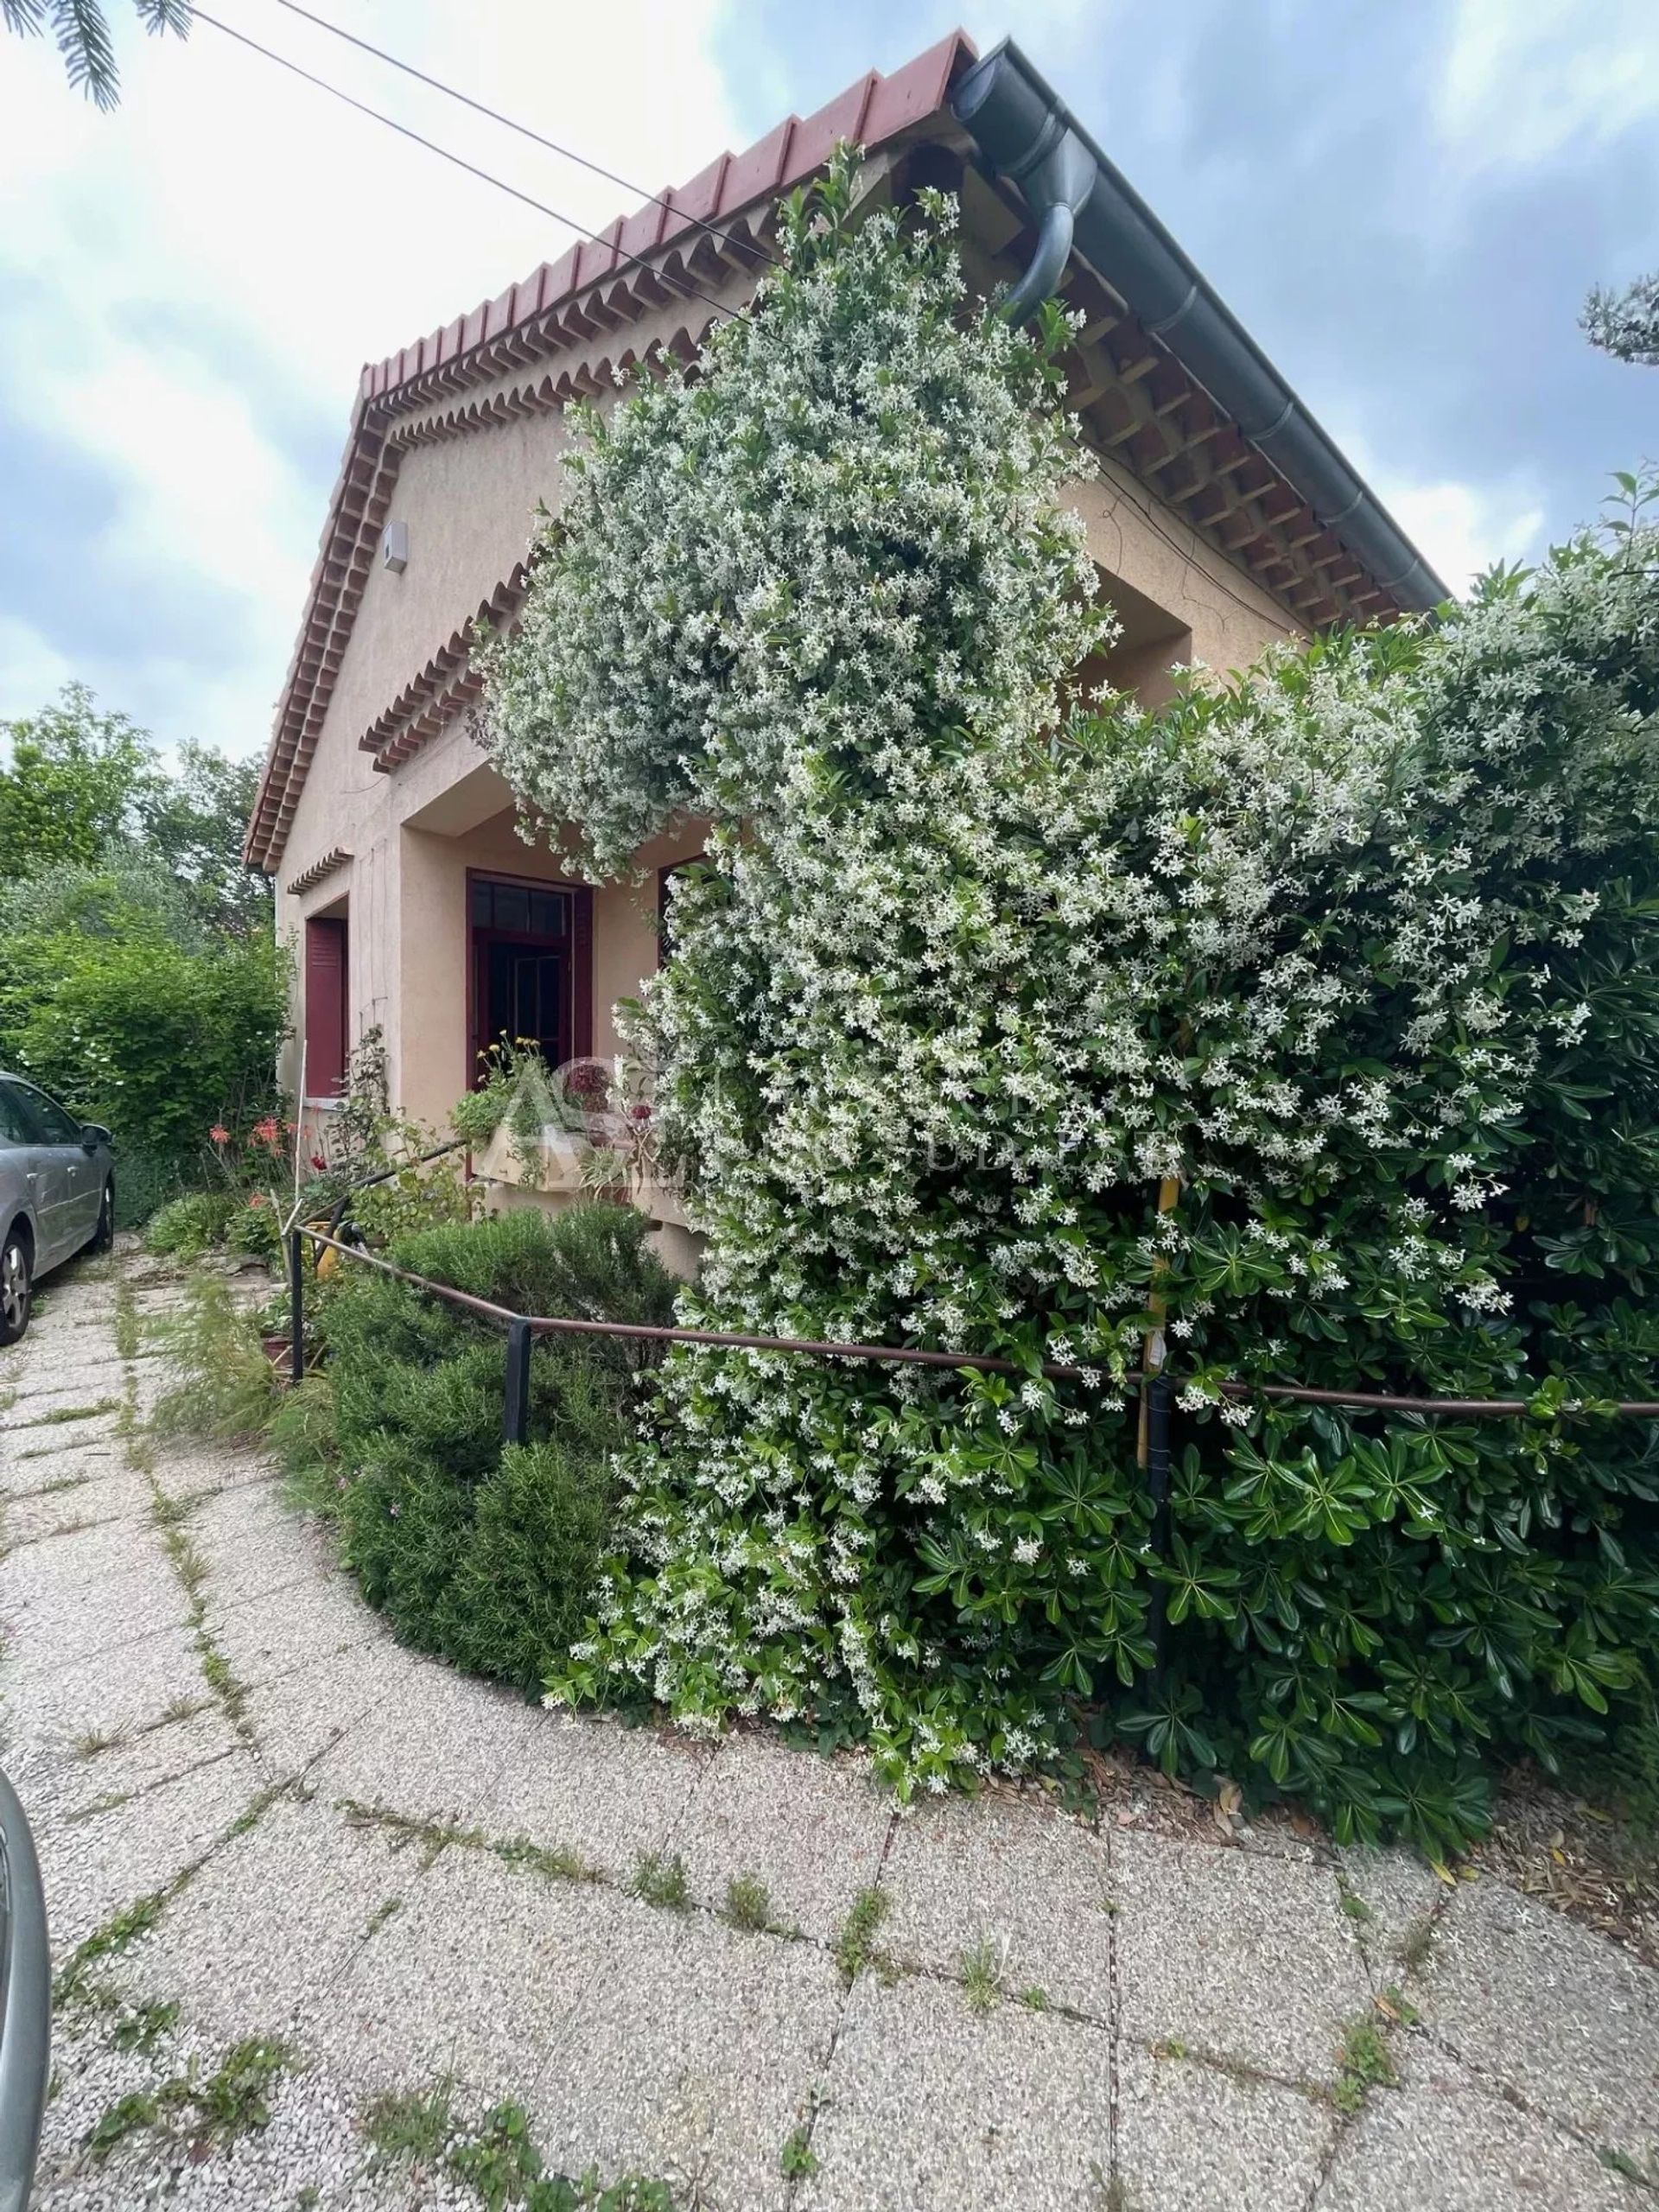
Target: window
{"x": 17, "y": 1123}
{"x": 531, "y": 955}
{"x": 52, "y": 1124}
{"x": 327, "y": 1043}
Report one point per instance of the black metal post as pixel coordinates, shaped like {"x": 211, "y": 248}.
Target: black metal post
{"x": 295, "y": 1306}
{"x": 1158, "y": 1411}
{"x": 515, "y": 1420}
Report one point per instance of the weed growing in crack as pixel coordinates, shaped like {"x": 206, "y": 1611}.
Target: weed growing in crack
{"x": 748, "y": 1903}
{"x": 1364, "y": 2064}
{"x": 60, "y": 1415}
{"x": 855, "y": 1940}
{"x": 99, "y": 1740}
{"x": 234, "y": 2100}
{"x": 1034, "y": 1999}
{"x": 1356, "y": 1907}
{"x": 128, "y": 1328}
{"x": 799, "y": 2158}
{"x": 660, "y": 1881}
{"x": 237, "y": 2098}
{"x": 130, "y": 2115}
{"x": 122, "y": 1928}
{"x": 411, "y": 2126}
{"x": 980, "y": 1974}
{"x": 140, "y": 2027}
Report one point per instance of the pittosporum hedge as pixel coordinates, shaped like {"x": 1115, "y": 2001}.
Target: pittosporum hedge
{"x": 1358, "y": 948}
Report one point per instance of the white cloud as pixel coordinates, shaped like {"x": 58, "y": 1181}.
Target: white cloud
{"x": 284, "y": 241}
{"x": 1460, "y": 528}
{"x": 1522, "y": 79}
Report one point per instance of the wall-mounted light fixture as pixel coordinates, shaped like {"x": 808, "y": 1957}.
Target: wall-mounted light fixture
{"x": 394, "y": 547}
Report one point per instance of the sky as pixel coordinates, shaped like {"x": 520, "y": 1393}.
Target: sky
{"x": 1405, "y": 207}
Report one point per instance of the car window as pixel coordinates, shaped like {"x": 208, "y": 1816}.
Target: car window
{"x": 56, "y": 1126}
{"x": 17, "y": 1123}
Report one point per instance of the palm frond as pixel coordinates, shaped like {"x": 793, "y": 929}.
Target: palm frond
{"x": 24, "y": 16}
{"x": 166, "y": 15}
{"x": 83, "y": 37}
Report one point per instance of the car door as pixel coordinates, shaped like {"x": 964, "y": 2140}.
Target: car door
{"x": 58, "y": 1166}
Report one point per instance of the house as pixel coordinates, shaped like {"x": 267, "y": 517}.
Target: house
{"x": 1222, "y": 519}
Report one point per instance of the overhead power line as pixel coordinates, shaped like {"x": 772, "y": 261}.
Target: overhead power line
{"x": 628, "y": 261}
{"x": 510, "y": 123}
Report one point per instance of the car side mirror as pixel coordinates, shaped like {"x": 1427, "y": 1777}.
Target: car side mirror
{"x": 93, "y": 1134}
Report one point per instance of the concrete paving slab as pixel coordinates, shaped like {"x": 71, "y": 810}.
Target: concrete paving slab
{"x": 590, "y": 1785}
{"x": 88, "y": 1560}
{"x": 56, "y": 1405}
{"x": 1191, "y": 2137}
{"x": 296, "y": 1716}
{"x": 928, "y": 2107}
{"x": 1555, "y": 2013}
{"x": 1400, "y": 1893}
{"x": 476, "y": 1973}
{"x": 433, "y": 1758}
{"x": 1016, "y": 1873}
{"x": 253, "y": 1943}
{"x": 93, "y": 1866}
{"x": 253, "y": 1545}
{"x": 49, "y": 1709}
{"x": 1442, "y": 2143}
{"x": 56, "y": 1459}
{"x": 1242, "y": 1957}
{"x": 72, "y": 1621}
{"x": 120, "y": 1494}
{"x": 812, "y": 1829}
{"x": 80, "y": 1778}
{"x": 692, "y": 2055}
{"x": 290, "y": 1627}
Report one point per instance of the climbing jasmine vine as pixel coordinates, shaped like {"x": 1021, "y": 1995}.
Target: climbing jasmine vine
{"x": 1356, "y": 948}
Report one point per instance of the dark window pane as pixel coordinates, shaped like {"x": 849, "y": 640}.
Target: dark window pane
{"x": 512, "y": 906}
{"x": 56, "y": 1126}
{"x": 481, "y": 906}
{"x": 17, "y": 1123}
{"x": 548, "y": 914}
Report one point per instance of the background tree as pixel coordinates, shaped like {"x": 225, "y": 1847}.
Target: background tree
{"x": 1625, "y": 324}
{"x": 81, "y": 30}
{"x": 139, "y": 975}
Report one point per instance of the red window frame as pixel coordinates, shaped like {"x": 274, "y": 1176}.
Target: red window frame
{"x": 328, "y": 1005}
{"x": 577, "y": 1044}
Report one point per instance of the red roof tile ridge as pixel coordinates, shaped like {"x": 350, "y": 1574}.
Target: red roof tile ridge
{"x": 871, "y": 110}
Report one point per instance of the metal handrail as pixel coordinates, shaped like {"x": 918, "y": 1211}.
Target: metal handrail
{"x": 25, "y": 2003}
{"x": 915, "y": 1355}
{"x": 1154, "y": 1450}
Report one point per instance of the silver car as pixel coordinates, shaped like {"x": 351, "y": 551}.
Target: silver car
{"x": 57, "y": 1193}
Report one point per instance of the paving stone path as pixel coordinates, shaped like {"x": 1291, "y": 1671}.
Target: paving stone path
{"x": 404, "y": 1879}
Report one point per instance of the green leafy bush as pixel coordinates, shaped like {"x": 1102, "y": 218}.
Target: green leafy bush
{"x": 184, "y": 1228}
{"x": 156, "y": 1041}
{"x": 484, "y": 1555}
{"x": 1354, "y": 959}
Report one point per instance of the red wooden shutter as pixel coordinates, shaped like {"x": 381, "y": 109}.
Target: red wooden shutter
{"x": 325, "y": 1006}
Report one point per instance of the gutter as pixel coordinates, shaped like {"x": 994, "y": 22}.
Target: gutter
{"x": 1083, "y": 204}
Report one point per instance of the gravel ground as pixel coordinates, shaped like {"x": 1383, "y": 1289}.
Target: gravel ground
{"x": 336, "y": 1906}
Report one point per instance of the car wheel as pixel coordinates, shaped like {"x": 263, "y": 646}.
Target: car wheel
{"x": 104, "y": 1234}
{"x": 16, "y": 1287}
